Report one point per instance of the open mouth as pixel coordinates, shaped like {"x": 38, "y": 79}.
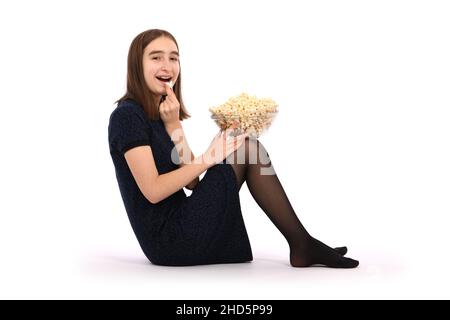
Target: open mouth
{"x": 164, "y": 79}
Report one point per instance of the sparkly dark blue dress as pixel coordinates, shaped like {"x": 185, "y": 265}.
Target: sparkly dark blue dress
{"x": 205, "y": 228}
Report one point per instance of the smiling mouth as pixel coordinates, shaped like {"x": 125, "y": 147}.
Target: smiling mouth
{"x": 163, "y": 79}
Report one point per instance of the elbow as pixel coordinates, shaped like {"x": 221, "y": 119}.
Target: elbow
{"x": 152, "y": 198}
{"x": 151, "y": 193}
{"x": 153, "y": 201}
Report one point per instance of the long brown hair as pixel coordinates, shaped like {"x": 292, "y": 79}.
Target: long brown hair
{"x": 137, "y": 89}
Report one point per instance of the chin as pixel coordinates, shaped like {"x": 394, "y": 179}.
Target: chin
{"x": 158, "y": 91}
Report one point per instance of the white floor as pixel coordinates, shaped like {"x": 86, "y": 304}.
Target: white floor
{"x": 124, "y": 273}
{"x": 96, "y": 256}
{"x": 267, "y": 277}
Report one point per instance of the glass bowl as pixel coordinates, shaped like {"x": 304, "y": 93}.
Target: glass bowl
{"x": 253, "y": 125}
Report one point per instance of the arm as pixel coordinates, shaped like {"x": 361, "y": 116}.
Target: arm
{"x": 157, "y": 187}
{"x": 176, "y": 133}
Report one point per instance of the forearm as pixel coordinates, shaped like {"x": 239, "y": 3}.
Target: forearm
{"x": 176, "y": 133}
{"x": 169, "y": 183}
{"x": 185, "y": 154}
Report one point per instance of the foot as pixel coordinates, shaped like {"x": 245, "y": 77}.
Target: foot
{"x": 341, "y": 250}
{"x": 315, "y": 252}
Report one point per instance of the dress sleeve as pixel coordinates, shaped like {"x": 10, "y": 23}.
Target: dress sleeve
{"x": 128, "y": 129}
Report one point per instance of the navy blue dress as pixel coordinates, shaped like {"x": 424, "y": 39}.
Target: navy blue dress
{"x": 206, "y": 227}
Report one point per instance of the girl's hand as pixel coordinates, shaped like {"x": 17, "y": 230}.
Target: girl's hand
{"x": 221, "y": 147}
{"x": 169, "y": 109}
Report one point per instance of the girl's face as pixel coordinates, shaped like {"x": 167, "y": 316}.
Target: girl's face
{"x": 161, "y": 64}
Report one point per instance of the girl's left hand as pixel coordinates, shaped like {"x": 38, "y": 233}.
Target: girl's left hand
{"x": 169, "y": 109}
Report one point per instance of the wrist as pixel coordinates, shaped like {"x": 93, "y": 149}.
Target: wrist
{"x": 172, "y": 125}
{"x": 203, "y": 161}
{"x": 174, "y": 130}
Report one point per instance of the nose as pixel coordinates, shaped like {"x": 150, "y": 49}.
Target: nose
{"x": 165, "y": 65}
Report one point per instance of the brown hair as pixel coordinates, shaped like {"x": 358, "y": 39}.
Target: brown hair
{"x": 137, "y": 89}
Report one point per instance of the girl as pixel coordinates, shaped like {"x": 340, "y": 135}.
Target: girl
{"x": 153, "y": 163}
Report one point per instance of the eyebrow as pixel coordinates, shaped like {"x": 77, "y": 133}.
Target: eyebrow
{"x": 161, "y": 51}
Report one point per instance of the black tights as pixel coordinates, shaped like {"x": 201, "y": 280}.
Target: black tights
{"x": 251, "y": 163}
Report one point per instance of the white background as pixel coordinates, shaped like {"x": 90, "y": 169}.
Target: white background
{"x": 361, "y": 143}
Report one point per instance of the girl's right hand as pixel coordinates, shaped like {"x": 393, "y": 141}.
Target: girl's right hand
{"x": 221, "y": 147}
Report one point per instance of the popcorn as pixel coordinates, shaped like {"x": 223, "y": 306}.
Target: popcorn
{"x": 171, "y": 84}
{"x": 245, "y": 114}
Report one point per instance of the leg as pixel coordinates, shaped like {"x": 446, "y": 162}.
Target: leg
{"x": 251, "y": 163}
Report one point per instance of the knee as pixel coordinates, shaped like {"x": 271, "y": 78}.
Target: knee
{"x": 251, "y": 151}
{"x": 253, "y": 144}
{"x": 255, "y": 152}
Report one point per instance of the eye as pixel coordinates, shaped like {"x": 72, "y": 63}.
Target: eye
{"x": 174, "y": 59}
{"x": 156, "y": 58}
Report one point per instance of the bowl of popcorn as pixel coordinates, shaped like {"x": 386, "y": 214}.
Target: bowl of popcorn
{"x": 245, "y": 114}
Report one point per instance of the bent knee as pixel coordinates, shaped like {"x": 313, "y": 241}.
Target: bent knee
{"x": 252, "y": 151}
